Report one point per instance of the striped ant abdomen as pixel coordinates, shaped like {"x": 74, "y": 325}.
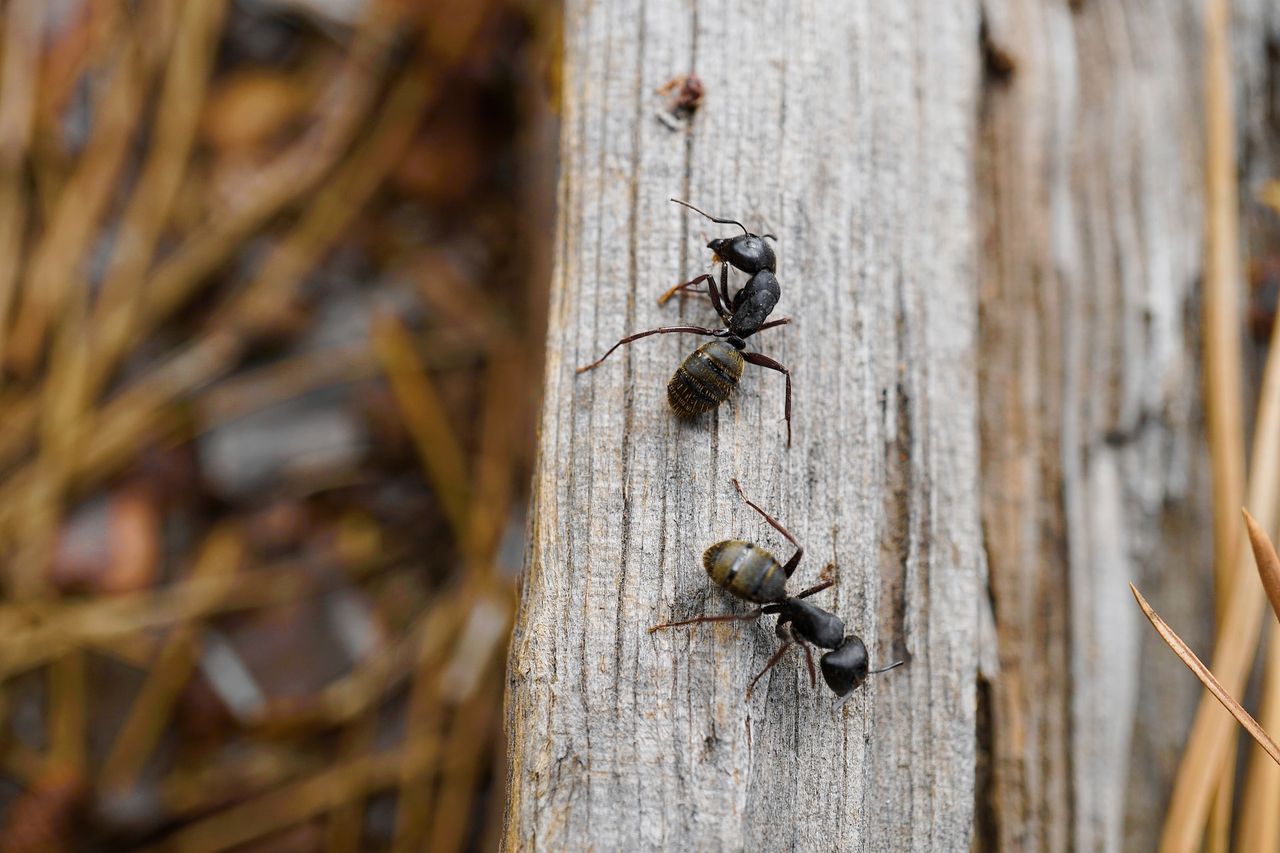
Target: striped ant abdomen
{"x": 705, "y": 379}
{"x": 746, "y": 570}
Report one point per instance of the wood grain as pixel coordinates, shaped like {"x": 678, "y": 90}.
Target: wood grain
{"x": 1091, "y": 192}
{"x": 847, "y": 131}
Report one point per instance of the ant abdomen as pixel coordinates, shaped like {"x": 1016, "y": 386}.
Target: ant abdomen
{"x": 705, "y": 379}
{"x": 746, "y": 570}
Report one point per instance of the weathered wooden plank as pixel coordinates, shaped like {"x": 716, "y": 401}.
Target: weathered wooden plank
{"x": 847, "y": 130}
{"x": 1095, "y": 473}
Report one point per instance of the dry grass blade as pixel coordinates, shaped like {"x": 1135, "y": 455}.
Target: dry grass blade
{"x": 293, "y": 175}
{"x": 68, "y": 748}
{"x": 298, "y": 801}
{"x": 357, "y": 692}
{"x": 97, "y": 620}
{"x": 177, "y": 115}
{"x": 17, "y": 115}
{"x": 425, "y": 419}
{"x": 79, "y": 209}
{"x": 1270, "y": 195}
{"x": 1223, "y": 384}
{"x": 1207, "y": 678}
{"x": 222, "y": 553}
{"x": 347, "y": 820}
{"x": 1259, "y": 819}
{"x": 1264, "y": 553}
{"x": 1236, "y": 637}
{"x": 132, "y": 419}
{"x": 206, "y": 254}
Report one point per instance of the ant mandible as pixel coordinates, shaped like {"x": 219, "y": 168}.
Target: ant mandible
{"x": 708, "y": 375}
{"x": 751, "y": 573}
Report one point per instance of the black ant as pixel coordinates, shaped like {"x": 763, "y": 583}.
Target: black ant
{"x": 748, "y": 252}
{"x": 751, "y": 573}
{"x": 708, "y": 375}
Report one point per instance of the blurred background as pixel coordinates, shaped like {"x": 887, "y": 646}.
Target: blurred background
{"x": 271, "y": 328}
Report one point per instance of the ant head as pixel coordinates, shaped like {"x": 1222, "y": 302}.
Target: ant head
{"x": 848, "y": 666}
{"x": 747, "y": 252}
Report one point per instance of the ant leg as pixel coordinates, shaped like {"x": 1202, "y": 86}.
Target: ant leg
{"x": 770, "y": 665}
{"x": 690, "y": 283}
{"x": 779, "y": 322}
{"x": 732, "y": 617}
{"x": 724, "y": 289}
{"x": 790, "y": 567}
{"x": 761, "y": 360}
{"x": 716, "y": 302}
{"x": 814, "y": 590}
{"x": 808, "y": 659}
{"x": 697, "y": 330}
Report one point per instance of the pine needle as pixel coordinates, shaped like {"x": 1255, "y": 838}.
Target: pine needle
{"x": 1183, "y": 651}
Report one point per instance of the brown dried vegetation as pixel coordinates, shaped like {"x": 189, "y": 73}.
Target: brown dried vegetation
{"x": 271, "y": 320}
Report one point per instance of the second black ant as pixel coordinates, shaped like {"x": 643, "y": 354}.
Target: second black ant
{"x": 751, "y": 573}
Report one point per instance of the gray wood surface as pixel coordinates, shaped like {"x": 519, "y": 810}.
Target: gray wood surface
{"x": 847, "y": 130}
{"x": 1094, "y": 468}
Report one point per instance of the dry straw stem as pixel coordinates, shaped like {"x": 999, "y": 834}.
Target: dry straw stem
{"x": 80, "y": 207}
{"x": 487, "y": 507}
{"x": 346, "y": 822}
{"x": 68, "y": 704}
{"x": 176, "y": 118}
{"x": 1264, "y": 554}
{"x": 1224, "y": 394}
{"x": 297, "y": 801}
{"x": 18, "y": 84}
{"x": 1259, "y": 817}
{"x": 426, "y": 420}
{"x": 1236, "y": 638}
{"x": 1224, "y": 387}
{"x": 359, "y": 691}
{"x": 1259, "y": 811}
{"x": 133, "y": 418}
{"x": 71, "y": 626}
{"x": 1206, "y": 677}
{"x": 222, "y": 553}
{"x": 472, "y": 723}
{"x": 288, "y": 378}
{"x": 285, "y": 182}
{"x": 194, "y": 790}
{"x": 422, "y": 732}
{"x": 120, "y": 322}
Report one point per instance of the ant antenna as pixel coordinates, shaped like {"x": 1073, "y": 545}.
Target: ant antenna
{"x": 714, "y": 218}
{"x": 893, "y": 665}
{"x": 839, "y": 703}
